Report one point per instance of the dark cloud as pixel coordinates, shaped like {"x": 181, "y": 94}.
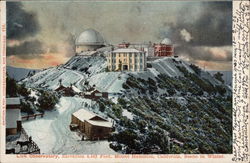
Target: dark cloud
{"x": 211, "y": 26}
{"x": 20, "y": 23}
{"x": 27, "y": 50}
{"x": 203, "y": 34}
{"x": 205, "y": 53}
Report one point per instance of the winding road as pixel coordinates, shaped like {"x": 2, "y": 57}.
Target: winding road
{"x": 53, "y": 136}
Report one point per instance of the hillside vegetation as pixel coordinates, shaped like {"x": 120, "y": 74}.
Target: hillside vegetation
{"x": 173, "y": 107}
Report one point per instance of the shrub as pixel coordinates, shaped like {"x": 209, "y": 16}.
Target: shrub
{"x": 125, "y": 86}
{"x": 221, "y": 90}
{"x": 196, "y": 69}
{"x": 47, "y": 100}
{"x": 149, "y": 65}
{"x": 11, "y": 87}
{"x": 122, "y": 102}
{"x": 74, "y": 68}
{"x": 25, "y": 107}
{"x": 218, "y": 76}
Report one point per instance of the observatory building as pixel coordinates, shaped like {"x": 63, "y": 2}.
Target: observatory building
{"x": 126, "y": 59}
{"x": 164, "y": 49}
{"x": 89, "y": 40}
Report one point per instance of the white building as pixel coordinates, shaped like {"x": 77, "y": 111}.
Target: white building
{"x": 89, "y": 40}
{"x": 13, "y": 116}
{"x": 126, "y": 59}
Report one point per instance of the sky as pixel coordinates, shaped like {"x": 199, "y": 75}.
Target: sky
{"x": 42, "y": 34}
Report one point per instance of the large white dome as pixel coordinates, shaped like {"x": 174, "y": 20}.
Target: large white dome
{"x": 166, "y": 41}
{"x": 90, "y": 37}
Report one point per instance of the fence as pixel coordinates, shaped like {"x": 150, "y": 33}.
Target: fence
{"x": 27, "y": 117}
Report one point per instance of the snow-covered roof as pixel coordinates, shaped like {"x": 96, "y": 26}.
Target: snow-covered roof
{"x": 84, "y": 115}
{"x": 166, "y": 41}
{"x": 90, "y": 37}
{"x": 12, "y": 116}
{"x": 13, "y": 101}
{"x": 76, "y": 89}
{"x": 100, "y": 123}
{"x": 126, "y": 50}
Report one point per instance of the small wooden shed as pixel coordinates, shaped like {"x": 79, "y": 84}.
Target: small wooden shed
{"x": 95, "y": 95}
{"x": 13, "y": 116}
{"x": 92, "y": 125}
{"x": 66, "y": 91}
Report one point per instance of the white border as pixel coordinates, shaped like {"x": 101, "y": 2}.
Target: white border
{"x": 239, "y": 119}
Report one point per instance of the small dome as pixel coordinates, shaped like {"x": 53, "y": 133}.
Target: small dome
{"x": 166, "y": 41}
{"x": 90, "y": 37}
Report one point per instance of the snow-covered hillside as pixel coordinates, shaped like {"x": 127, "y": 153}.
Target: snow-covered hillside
{"x": 20, "y": 73}
{"x": 90, "y": 70}
{"x": 53, "y": 136}
{"x": 171, "y": 99}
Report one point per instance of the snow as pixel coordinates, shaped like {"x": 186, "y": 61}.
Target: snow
{"x": 127, "y": 114}
{"x": 53, "y": 136}
{"x": 13, "y": 101}
{"x": 50, "y": 78}
{"x": 33, "y": 93}
{"x": 76, "y": 89}
{"x": 100, "y": 123}
{"x": 12, "y": 116}
{"x": 83, "y": 114}
{"x": 108, "y": 81}
{"x": 126, "y": 50}
{"x": 153, "y": 71}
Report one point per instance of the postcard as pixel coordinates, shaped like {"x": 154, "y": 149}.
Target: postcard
{"x": 124, "y": 81}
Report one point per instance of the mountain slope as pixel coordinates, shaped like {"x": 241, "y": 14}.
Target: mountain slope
{"x": 172, "y": 107}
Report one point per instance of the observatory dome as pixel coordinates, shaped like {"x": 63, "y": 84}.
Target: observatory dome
{"x": 90, "y": 37}
{"x": 166, "y": 41}
{"x": 89, "y": 40}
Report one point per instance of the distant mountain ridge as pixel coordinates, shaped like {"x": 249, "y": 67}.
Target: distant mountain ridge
{"x": 20, "y": 73}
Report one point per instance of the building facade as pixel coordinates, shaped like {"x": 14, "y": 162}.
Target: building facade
{"x": 126, "y": 59}
{"x": 13, "y": 116}
{"x": 95, "y": 95}
{"x": 164, "y": 49}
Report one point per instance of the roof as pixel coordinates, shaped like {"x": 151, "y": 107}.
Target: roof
{"x": 13, "y": 101}
{"x": 126, "y": 50}
{"x": 100, "y": 123}
{"x": 166, "y": 41}
{"x": 60, "y": 87}
{"x": 12, "y": 116}
{"x": 84, "y": 115}
{"x": 90, "y": 37}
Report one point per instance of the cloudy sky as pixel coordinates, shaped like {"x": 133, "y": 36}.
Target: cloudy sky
{"x": 41, "y": 34}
